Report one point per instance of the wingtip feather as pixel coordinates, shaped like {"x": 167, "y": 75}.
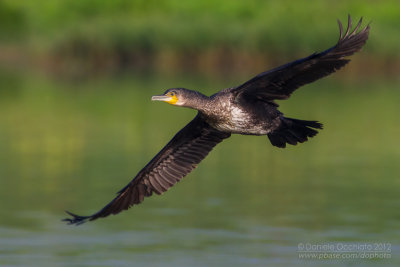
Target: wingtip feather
{"x": 340, "y": 29}
{"x": 357, "y": 27}
{"x": 76, "y": 219}
{"x": 348, "y": 25}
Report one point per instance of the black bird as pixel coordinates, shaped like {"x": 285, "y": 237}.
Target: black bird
{"x": 248, "y": 109}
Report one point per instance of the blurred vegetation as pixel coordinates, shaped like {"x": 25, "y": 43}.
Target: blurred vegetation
{"x": 92, "y": 35}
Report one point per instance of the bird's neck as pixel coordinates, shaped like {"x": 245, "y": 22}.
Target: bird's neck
{"x": 200, "y": 102}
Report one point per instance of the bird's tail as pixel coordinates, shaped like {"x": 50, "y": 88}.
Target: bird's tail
{"x": 293, "y": 131}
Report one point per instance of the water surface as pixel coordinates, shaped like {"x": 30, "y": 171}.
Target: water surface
{"x": 71, "y": 146}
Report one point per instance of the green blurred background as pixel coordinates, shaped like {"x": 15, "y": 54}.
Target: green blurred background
{"x": 77, "y": 123}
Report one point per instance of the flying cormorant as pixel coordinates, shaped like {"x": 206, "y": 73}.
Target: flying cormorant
{"x": 248, "y": 109}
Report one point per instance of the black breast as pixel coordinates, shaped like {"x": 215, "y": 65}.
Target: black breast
{"x": 247, "y": 117}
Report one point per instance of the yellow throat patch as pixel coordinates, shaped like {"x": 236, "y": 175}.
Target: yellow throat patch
{"x": 172, "y": 100}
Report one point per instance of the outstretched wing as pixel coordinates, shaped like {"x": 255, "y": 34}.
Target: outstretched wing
{"x": 280, "y": 82}
{"x": 178, "y": 158}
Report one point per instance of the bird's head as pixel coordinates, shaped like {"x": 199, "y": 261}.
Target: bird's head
{"x": 180, "y": 97}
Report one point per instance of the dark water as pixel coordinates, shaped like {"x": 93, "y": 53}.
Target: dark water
{"x": 71, "y": 146}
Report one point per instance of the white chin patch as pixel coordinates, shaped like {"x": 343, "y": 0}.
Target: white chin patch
{"x": 179, "y": 103}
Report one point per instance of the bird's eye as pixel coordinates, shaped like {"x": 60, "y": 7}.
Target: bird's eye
{"x": 172, "y": 93}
